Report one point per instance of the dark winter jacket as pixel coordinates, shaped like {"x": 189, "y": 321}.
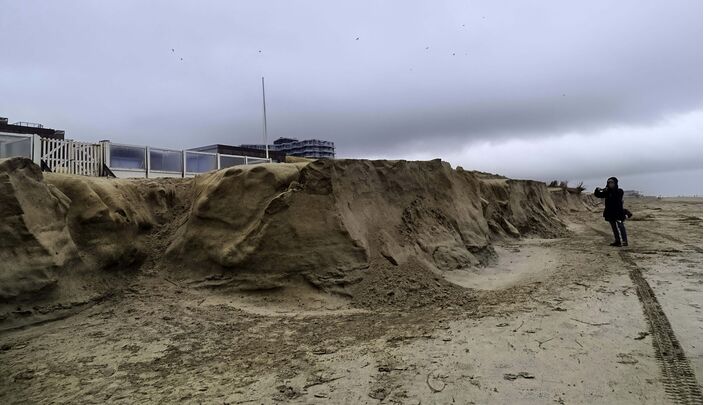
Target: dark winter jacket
{"x": 613, "y": 202}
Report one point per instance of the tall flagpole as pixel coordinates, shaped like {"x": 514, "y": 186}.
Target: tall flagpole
{"x": 266, "y": 143}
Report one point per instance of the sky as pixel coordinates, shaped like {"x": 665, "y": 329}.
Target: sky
{"x": 578, "y": 90}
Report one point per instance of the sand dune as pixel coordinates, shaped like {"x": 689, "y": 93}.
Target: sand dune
{"x": 339, "y": 225}
{"x": 341, "y": 281}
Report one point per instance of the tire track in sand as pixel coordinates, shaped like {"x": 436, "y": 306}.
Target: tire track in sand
{"x": 671, "y": 238}
{"x": 679, "y": 379}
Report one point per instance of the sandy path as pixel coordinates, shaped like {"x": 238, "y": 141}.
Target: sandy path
{"x": 564, "y": 326}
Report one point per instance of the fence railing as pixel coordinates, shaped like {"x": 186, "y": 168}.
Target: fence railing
{"x": 72, "y": 157}
{"x": 123, "y": 160}
{"x": 144, "y": 161}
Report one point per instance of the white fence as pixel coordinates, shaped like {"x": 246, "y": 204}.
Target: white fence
{"x": 72, "y": 157}
{"x": 145, "y": 161}
{"x": 91, "y": 159}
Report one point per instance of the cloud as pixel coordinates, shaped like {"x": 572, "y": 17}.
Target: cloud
{"x": 423, "y": 76}
{"x": 673, "y": 145}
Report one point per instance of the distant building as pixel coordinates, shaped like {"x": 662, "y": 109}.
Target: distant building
{"x": 275, "y": 156}
{"x": 309, "y": 148}
{"x": 632, "y": 193}
{"x": 29, "y": 128}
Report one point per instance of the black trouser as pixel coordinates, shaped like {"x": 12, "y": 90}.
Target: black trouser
{"x": 619, "y": 231}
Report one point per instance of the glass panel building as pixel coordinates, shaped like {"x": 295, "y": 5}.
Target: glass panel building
{"x": 309, "y": 148}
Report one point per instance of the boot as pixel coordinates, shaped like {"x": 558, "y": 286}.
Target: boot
{"x": 616, "y": 244}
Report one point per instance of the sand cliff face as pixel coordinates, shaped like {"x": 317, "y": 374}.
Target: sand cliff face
{"x": 569, "y": 200}
{"x": 34, "y": 237}
{"x": 520, "y": 207}
{"x": 106, "y": 217}
{"x": 65, "y": 240}
{"x": 336, "y": 224}
{"x": 330, "y": 220}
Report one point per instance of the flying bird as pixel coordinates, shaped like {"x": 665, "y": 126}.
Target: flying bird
{"x": 172, "y": 50}
{"x": 356, "y": 39}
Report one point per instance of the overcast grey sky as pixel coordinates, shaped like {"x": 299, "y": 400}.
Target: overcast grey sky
{"x": 577, "y": 90}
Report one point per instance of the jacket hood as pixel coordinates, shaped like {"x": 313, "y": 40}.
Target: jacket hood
{"x": 614, "y": 179}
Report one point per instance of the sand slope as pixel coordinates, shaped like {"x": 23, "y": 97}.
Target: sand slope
{"x": 439, "y": 297}
{"x": 68, "y": 240}
{"x": 379, "y": 232}
{"x": 329, "y": 221}
{"x": 34, "y": 237}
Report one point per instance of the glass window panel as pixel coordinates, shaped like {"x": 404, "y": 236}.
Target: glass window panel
{"x": 255, "y": 161}
{"x": 165, "y": 160}
{"x": 11, "y": 146}
{"x": 127, "y": 157}
{"x": 199, "y": 163}
{"x": 229, "y": 161}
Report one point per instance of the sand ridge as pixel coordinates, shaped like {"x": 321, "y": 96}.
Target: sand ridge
{"x": 472, "y": 288}
{"x": 378, "y": 232}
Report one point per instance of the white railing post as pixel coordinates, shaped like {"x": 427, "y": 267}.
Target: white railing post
{"x": 105, "y": 154}
{"x": 217, "y": 158}
{"x": 36, "y": 149}
{"x": 183, "y": 154}
{"x": 147, "y": 161}
{"x": 70, "y": 147}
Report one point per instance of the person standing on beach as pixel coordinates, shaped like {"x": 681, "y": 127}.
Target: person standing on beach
{"x": 613, "y": 210}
